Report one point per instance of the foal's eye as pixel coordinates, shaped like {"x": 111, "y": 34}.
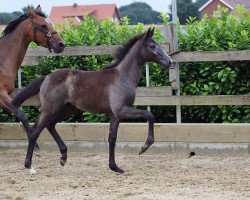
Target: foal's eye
{"x": 44, "y": 27}
{"x": 153, "y": 46}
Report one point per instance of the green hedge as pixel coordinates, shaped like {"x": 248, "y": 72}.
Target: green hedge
{"x": 226, "y": 32}
{"x": 223, "y": 33}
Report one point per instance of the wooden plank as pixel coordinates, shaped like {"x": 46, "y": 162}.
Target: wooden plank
{"x": 159, "y": 97}
{"x": 32, "y": 55}
{"x": 80, "y": 51}
{"x": 201, "y": 56}
{"x": 194, "y": 100}
{"x": 30, "y": 61}
{"x": 161, "y": 91}
{"x": 137, "y": 132}
{"x": 142, "y": 92}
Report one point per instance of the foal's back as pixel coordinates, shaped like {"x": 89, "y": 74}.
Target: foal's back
{"x": 86, "y": 90}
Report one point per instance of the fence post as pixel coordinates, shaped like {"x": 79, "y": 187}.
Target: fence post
{"x": 170, "y": 34}
{"x": 147, "y": 81}
{"x": 19, "y": 78}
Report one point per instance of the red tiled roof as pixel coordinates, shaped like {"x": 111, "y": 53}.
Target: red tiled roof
{"x": 229, "y": 3}
{"x": 236, "y": 2}
{"x": 101, "y": 11}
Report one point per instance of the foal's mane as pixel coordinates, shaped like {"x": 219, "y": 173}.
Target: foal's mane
{"x": 13, "y": 24}
{"x": 122, "y": 50}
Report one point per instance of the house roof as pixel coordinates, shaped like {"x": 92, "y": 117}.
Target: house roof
{"x": 59, "y": 14}
{"x": 229, "y": 3}
{"x": 210, "y": 1}
{"x": 236, "y": 2}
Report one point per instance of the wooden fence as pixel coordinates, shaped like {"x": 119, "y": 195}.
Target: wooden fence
{"x": 161, "y": 95}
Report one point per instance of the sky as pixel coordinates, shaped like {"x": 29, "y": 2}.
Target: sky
{"x": 17, "y": 5}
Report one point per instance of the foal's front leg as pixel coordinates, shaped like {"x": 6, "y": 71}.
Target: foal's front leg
{"x": 133, "y": 113}
{"x": 114, "y": 123}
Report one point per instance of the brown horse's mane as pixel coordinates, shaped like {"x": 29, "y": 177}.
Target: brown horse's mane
{"x": 13, "y": 24}
{"x": 122, "y": 50}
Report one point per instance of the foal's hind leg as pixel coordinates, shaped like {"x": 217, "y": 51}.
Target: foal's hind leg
{"x": 114, "y": 123}
{"x": 62, "y": 146}
{"x": 66, "y": 112}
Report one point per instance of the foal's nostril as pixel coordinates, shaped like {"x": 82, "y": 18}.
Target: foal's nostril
{"x": 61, "y": 44}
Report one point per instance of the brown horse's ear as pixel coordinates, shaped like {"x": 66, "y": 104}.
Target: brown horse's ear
{"x": 39, "y": 9}
{"x": 31, "y": 12}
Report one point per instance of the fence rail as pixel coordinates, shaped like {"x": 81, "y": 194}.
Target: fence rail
{"x": 33, "y": 54}
{"x": 163, "y": 97}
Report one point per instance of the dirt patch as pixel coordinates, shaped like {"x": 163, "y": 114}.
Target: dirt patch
{"x": 86, "y": 176}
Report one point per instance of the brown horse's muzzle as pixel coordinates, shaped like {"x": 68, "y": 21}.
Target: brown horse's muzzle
{"x": 58, "y": 47}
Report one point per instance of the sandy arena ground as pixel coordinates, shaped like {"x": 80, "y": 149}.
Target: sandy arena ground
{"x": 86, "y": 176}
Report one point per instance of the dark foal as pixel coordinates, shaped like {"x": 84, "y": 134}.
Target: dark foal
{"x": 109, "y": 90}
{"x": 32, "y": 26}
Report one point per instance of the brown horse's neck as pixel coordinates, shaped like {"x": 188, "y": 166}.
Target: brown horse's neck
{"x": 131, "y": 66}
{"x": 13, "y": 47}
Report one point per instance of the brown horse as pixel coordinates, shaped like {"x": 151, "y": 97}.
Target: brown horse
{"x": 32, "y": 26}
{"x": 109, "y": 90}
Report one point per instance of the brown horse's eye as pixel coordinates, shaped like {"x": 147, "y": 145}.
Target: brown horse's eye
{"x": 44, "y": 27}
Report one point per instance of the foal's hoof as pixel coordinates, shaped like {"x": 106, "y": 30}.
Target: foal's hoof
{"x": 116, "y": 169}
{"x": 62, "y": 162}
{"x": 32, "y": 170}
{"x": 36, "y": 147}
{"x": 142, "y": 150}
{"x": 27, "y": 164}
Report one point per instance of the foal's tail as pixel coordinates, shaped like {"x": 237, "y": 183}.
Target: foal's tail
{"x": 29, "y": 91}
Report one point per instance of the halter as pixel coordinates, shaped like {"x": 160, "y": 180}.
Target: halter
{"x": 48, "y": 34}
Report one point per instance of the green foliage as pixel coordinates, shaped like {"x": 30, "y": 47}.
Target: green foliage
{"x": 228, "y": 32}
{"x": 140, "y": 12}
{"x": 5, "y": 18}
{"x": 188, "y": 8}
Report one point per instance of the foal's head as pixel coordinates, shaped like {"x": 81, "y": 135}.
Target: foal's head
{"x": 42, "y": 32}
{"x": 151, "y": 51}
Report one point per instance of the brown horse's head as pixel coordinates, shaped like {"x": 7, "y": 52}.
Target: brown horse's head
{"x": 42, "y": 31}
{"x": 151, "y": 51}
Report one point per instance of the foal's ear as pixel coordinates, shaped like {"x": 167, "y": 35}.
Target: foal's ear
{"x": 150, "y": 33}
{"x": 38, "y": 8}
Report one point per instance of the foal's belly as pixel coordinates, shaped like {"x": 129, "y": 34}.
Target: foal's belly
{"x": 92, "y": 101}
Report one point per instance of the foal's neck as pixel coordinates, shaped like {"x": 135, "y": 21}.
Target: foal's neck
{"x": 13, "y": 48}
{"x": 131, "y": 66}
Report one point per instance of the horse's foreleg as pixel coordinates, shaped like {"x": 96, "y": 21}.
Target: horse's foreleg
{"x": 133, "y": 113}
{"x": 35, "y": 132}
{"x": 5, "y": 103}
{"x": 114, "y": 123}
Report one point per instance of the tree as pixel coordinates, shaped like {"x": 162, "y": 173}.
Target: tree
{"x": 140, "y": 12}
{"x": 187, "y": 8}
{"x": 200, "y": 3}
{"x": 26, "y": 8}
{"x": 5, "y": 18}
